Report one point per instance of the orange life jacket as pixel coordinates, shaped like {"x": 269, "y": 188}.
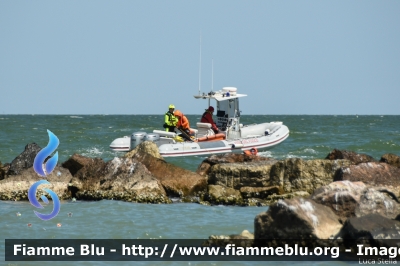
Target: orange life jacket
{"x": 183, "y": 122}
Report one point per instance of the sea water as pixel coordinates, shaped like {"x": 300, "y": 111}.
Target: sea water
{"x": 311, "y": 137}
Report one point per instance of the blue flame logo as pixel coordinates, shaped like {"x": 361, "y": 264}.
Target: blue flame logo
{"x": 44, "y": 153}
{"x": 49, "y": 167}
{"x": 35, "y": 202}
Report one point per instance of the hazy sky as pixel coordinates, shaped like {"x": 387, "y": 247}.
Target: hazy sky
{"x": 137, "y": 57}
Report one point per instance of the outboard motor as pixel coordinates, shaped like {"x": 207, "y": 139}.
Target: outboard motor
{"x": 153, "y": 138}
{"x": 137, "y": 138}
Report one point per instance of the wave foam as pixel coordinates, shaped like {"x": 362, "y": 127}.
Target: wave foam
{"x": 92, "y": 152}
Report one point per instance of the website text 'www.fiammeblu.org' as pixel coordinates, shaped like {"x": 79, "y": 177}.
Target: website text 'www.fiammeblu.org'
{"x": 232, "y": 250}
{"x": 178, "y": 251}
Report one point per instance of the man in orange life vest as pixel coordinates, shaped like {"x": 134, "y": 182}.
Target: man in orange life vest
{"x": 183, "y": 124}
{"x": 207, "y": 118}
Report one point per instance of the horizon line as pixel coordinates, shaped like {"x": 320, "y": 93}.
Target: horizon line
{"x": 200, "y": 114}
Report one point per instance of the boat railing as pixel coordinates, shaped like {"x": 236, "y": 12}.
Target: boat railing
{"x": 252, "y": 136}
{"x": 165, "y": 133}
{"x": 248, "y": 125}
{"x": 274, "y": 129}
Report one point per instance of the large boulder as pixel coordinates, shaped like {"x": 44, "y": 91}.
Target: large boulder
{"x": 24, "y": 160}
{"x": 92, "y": 175}
{"x": 295, "y": 174}
{"x": 80, "y": 165}
{"x": 217, "y": 195}
{"x": 238, "y": 175}
{"x": 204, "y": 168}
{"x": 378, "y": 200}
{"x": 15, "y": 187}
{"x": 244, "y": 239}
{"x": 371, "y": 227}
{"x": 3, "y": 170}
{"x": 147, "y": 147}
{"x": 349, "y": 199}
{"x": 391, "y": 159}
{"x": 245, "y": 234}
{"x": 266, "y": 181}
{"x": 352, "y": 156}
{"x": 87, "y": 172}
{"x": 296, "y": 218}
{"x": 128, "y": 180}
{"x": 276, "y": 197}
{"x": 342, "y": 197}
{"x": 373, "y": 173}
{"x": 260, "y": 192}
{"x": 122, "y": 179}
{"x": 176, "y": 181}
{"x": 206, "y": 165}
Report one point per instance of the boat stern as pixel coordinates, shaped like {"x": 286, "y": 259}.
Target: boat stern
{"x": 121, "y": 144}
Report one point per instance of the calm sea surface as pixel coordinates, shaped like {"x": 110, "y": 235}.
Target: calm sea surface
{"x": 310, "y": 137}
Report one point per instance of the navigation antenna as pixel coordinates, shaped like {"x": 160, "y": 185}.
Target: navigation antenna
{"x": 212, "y": 74}
{"x": 200, "y": 67}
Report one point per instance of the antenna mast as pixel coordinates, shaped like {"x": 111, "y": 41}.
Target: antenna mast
{"x": 200, "y": 67}
{"x": 212, "y": 74}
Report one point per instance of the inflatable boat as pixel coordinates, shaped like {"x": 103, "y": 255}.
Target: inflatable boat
{"x": 232, "y": 137}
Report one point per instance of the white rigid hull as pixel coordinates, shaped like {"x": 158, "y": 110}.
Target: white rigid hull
{"x": 224, "y": 146}
{"x": 261, "y": 136}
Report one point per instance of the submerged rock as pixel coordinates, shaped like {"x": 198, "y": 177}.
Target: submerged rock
{"x": 352, "y": 156}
